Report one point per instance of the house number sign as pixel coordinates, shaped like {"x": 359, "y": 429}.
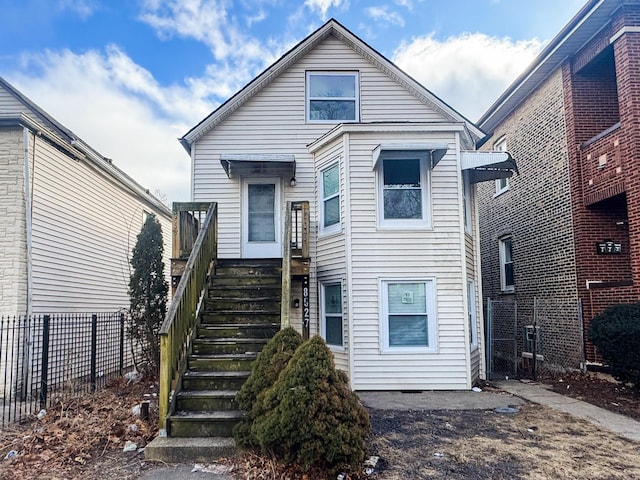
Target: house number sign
{"x": 305, "y": 302}
{"x": 608, "y": 247}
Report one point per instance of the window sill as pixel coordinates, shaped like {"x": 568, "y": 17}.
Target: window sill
{"x": 407, "y": 350}
{"x": 336, "y": 348}
{"x": 508, "y": 292}
{"x": 330, "y": 233}
{"x": 497, "y": 194}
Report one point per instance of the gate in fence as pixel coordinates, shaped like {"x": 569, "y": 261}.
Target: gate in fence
{"x": 546, "y": 340}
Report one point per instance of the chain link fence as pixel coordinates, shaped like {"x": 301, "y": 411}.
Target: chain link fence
{"x": 547, "y": 342}
{"x": 47, "y": 357}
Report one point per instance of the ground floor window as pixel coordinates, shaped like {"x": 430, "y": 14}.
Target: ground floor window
{"x": 408, "y": 314}
{"x": 331, "y": 313}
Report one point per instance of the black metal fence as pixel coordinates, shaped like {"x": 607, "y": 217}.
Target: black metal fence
{"x": 45, "y": 357}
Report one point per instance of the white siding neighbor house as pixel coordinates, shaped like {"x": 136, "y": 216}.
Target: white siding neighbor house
{"x": 389, "y": 172}
{"x": 69, "y": 217}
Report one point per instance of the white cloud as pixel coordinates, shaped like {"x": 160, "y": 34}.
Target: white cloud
{"x": 118, "y": 108}
{"x": 468, "y": 71}
{"x": 84, "y": 8}
{"x": 384, "y": 15}
{"x": 323, "y": 6}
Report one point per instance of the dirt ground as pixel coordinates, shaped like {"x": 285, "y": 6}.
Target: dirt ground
{"x": 84, "y": 439}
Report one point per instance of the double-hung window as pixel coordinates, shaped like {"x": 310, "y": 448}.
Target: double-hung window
{"x": 408, "y": 315}
{"x": 330, "y": 191}
{"x": 403, "y": 190}
{"x": 331, "y": 313}
{"x": 507, "y": 280}
{"x": 332, "y": 97}
{"x": 502, "y": 184}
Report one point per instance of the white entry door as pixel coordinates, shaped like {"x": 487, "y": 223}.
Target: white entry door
{"x": 261, "y": 229}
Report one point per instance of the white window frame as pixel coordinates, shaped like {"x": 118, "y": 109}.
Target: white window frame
{"x": 473, "y": 319}
{"x": 323, "y": 313}
{"x": 503, "y": 262}
{"x": 502, "y": 184}
{"x": 356, "y": 98}
{"x": 432, "y": 334}
{"x": 425, "y": 186}
{"x": 336, "y": 227}
{"x": 468, "y": 204}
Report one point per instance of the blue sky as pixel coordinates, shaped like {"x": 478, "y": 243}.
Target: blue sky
{"x": 131, "y": 76}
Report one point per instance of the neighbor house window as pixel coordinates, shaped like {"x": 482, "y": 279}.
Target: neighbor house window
{"x": 332, "y": 96}
{"x": 403, "y": 191}
{"x": 330, "y": 190}
{"x": 502, "y": 184}
{"x": 408, "y": 315}
{"x": 507, "y": 283}
{"x": 331, "y": 313}
{"x": 473, "y": 323}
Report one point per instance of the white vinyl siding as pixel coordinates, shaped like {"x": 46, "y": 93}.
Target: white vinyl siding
{"x": 84, "y": 228}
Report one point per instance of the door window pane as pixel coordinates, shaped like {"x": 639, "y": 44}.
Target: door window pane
{"x": 261, "y": 211}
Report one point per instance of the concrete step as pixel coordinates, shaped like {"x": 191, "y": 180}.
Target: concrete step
{"x": 189, "y": 450}
{"x": 228, "y": 345}
{"x": 221, "y": 362}
{"x": 237, "y": 330}
{"x": 206, "y": 400}
{"x": 214, "y": 380}
{"x": 202, "y": 424}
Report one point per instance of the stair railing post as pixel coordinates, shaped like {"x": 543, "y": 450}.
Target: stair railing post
{"x": 285, "y": 299}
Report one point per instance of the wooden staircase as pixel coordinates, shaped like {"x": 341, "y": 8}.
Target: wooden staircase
{"x": 241, "y": 313}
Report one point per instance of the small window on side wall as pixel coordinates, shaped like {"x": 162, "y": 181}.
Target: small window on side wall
{"x": 330, "y": 206}
{"x": 331, "y": 313}
{"x": 502, "y": 184}
{"x": 332, "y": 97}
{"x": 507, "y": 278}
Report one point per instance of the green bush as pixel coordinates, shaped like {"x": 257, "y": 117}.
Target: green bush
{"x": 310, "y": 415}
{"x": 271, "y": 361}
{"x": 616, "y": 335}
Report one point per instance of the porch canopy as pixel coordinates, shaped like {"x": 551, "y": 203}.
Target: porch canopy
{"x": 274, "y": 165}
{"x": 433, "y": 152}
{"x": 484, "y": 166}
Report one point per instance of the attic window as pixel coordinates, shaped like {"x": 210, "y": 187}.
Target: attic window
{"x": 332, "y": 96}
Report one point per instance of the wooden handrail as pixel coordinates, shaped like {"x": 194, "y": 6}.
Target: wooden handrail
{"x": 177, "y": 329}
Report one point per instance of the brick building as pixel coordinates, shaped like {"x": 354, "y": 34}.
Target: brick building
{"x": 567, "y": 228}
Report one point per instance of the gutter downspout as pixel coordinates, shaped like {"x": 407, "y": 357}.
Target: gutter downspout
{"x": 28, "y": 218}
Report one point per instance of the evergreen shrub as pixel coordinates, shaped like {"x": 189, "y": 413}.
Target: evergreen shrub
{"x": 616, "y": 334}
{"x": 310, "y": 416}
{"x": 266, "y": 369}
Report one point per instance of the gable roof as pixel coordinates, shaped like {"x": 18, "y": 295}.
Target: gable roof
{"x": 335, "y": 29}
{"x": 581, "y": 28}
{"x": 37, "y": 120}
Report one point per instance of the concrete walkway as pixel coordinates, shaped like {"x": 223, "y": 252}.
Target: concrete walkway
{"x": 541, "y": 394}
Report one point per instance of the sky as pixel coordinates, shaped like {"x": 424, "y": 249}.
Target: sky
{"x": 130, "y": 77}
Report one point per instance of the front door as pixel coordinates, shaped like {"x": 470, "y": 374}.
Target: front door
{"x": 261, "y": 230}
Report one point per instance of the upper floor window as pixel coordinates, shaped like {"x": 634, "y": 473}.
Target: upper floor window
{"x": 502, "y": 184}
{"x": 467, "y": 205}
{"x": 330, "y": 208}
{"x": 507, "y": 280}
{"x": 332, "y": 96}
{"x": 403, "y": 195}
